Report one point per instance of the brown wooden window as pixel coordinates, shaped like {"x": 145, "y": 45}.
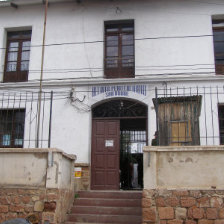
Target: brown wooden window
{"x": 17, "y": 56}
{"x": 178, "y": 120}
{"x": 221, "y": 124}
{"x": 119, "y": 59}
{"x": 12, "y": 128}
{"x": 180, "y": 133}
{"x": 218, "y": 37}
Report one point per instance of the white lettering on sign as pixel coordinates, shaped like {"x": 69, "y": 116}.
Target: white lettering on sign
{"x": 121, "y": 90}
{"x": 109, "y": 143}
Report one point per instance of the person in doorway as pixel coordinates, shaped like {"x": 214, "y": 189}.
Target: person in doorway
{"x": 154, "y": 141}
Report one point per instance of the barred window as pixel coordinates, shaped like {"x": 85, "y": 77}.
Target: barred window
{"x": 12, "y": 128}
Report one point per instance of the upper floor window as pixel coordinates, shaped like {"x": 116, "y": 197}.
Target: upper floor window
{"x": 218, "y": 37}
{"x": 17, "y": 56}
{"x": 119, "y": 61}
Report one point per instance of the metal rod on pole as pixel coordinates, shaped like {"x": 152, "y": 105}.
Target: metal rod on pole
{"x": 41, "y": 75}
{"x": 50, "y": 121}
{"x": 157, "y": 118}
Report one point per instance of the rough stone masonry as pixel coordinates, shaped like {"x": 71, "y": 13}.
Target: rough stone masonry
{"x": 48, "y": 204}
{"x": 183, "y": 206}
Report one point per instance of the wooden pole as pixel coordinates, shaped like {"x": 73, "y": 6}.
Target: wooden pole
{"x": 41, "y": 75}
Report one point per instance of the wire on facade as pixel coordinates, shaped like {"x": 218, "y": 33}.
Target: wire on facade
{"x": 102, "y": 41}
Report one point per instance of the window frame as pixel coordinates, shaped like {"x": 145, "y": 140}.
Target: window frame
{"x": 18, "y": 75}
{"x": 119, "y": 71}
{"x": 219, "y": 68}
{"x": 11, "y": 122}
{"x": 169, "y": 111}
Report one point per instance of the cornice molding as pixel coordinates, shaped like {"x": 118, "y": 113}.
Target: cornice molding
{"x": 102, "y": 81}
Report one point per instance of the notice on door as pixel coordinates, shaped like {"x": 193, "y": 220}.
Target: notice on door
{"x": 109, "y": 143}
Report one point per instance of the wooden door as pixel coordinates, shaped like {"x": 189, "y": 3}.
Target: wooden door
{"x": 105, "y": 155}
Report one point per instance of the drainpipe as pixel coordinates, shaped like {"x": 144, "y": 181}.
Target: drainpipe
{"x": 41, "y": 75}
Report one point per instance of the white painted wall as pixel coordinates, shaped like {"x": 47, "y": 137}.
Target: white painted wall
{"x": 72, "y": 23}
{"x": 49, "y": 168}
{"x": 20, "y": 168}
{"x": 183, "y": 168}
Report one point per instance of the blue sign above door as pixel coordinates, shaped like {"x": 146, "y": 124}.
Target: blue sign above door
{"x": 118, "y": 90}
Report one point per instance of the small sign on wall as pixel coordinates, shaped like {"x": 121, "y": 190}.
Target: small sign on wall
{"x": 78, "y": 172}
{"x": 109, "y": 143}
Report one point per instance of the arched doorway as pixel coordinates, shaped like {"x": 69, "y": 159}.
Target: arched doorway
{"x": 119, "y": 132}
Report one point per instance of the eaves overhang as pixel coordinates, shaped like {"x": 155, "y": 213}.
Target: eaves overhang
{"x": 19, "y": 3}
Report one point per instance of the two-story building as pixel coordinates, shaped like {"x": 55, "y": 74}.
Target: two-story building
{"x": 109, "y": 77}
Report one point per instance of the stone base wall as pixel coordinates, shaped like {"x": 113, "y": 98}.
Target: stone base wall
{"x": 49, "y": 204}
{"x": 183, "y": 207}
{"x": 83, "y": 183}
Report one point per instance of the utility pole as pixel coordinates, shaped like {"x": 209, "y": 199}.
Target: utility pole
{"x": 41, "y": 76}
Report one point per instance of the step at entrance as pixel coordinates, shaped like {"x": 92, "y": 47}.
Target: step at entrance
{"x": 109, "y": 207}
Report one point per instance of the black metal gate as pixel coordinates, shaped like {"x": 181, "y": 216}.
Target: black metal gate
{"x": 131, "y": 158}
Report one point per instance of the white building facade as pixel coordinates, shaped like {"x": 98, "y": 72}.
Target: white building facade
{"x": 114, "y": 73}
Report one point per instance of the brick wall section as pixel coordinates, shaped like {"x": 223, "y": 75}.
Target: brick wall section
{"x": 183, "y": 207}
{"x": 83, "y": 183}
{"x": 48, "y": 204}
{"x": 85, "y": 178}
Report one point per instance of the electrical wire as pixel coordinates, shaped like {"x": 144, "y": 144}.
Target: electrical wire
{"x": 102, "y": 41}
{"x": 102, "y": 69}
{"x": 66, "y": 94}
{"x": 138, "y": 66}
{"x": 136, "y": 75}
{"x": 210, "y": 3}
{"x": 86, "y": 108}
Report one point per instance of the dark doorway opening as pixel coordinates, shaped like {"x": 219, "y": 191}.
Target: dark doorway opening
{"x": 128, "y": 142}
{"x": 221, "y": 124}
{"x": 132, "y": 140}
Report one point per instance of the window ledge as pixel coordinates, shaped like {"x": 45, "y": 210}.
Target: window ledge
{"x": 182, "y": 148}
